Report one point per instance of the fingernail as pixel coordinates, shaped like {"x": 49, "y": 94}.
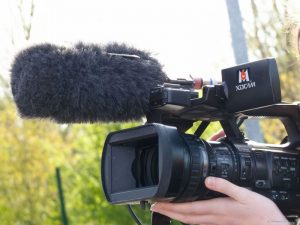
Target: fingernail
{"x": 153, "y": 207}
{"x": 210, "y": 181}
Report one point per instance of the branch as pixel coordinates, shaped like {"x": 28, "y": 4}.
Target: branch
{"x": 26, "y": 26}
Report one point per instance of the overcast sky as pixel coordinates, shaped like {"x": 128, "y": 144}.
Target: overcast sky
{"x": 188, "y": 37}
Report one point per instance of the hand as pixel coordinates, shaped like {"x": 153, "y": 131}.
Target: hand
{"x": 217, "y": 135}
{"x": 241, "y": 207}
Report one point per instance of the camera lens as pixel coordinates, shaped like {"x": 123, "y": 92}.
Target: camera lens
{"x": 145, "y": 166}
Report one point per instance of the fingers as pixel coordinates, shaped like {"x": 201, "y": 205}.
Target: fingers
{"x": 212, "y": 206}
{"x": 217, "y": 135}
{"x": 223, "y": 186}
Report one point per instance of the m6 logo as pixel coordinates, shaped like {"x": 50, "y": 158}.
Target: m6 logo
{"x": 244, "y": 81}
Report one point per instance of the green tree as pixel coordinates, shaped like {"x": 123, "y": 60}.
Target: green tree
{"x": 270, "y": 34}
{"x": 86, "y": 203}
{"x": 30, "y": 150}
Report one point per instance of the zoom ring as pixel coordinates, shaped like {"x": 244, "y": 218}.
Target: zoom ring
{"x": 196, "y": 168}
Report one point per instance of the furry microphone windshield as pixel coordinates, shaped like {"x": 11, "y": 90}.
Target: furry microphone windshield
{"x": 84, "y": 83}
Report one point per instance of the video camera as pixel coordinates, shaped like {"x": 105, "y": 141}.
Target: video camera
{"x": 160, "y": 162}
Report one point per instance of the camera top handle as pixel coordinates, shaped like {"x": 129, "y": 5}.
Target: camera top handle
{"x": 289, "y": 115}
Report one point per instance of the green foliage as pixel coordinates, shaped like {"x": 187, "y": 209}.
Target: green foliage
{"x": 213, "y": 128}
{"x": 270, "y": 34}
{"x": 32, "y": 149}
{"x": 29, "y": 152}
{"x": 85, "y": 199}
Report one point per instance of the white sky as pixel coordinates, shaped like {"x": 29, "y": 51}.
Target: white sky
{"x": 188, "y": 37}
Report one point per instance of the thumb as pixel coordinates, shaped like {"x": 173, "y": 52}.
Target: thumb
{"x": 231, "y": 190}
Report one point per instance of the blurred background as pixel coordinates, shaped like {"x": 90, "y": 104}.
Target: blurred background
{"x": 188, "y": 37}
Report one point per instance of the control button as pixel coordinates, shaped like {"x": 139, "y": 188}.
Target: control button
{"x": 213, "y": 167}
{"x": 284, "y": 163}
{"x": 260, "y": 183}
{"x": 283, "y": 197}
{"x": 244, "y": 173}
{"x": 293, "y": 163}
{"x": 276, "y": 162}
{"x": 224, "y": 169}
{"x": 275, "y": 196}
{"x": 247, "y": 162}
{"x": 287, "y": 184}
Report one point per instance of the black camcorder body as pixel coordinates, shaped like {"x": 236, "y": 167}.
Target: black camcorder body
{"x": 159, "y": 161}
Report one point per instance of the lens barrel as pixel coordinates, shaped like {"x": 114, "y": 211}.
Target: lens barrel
{"x": 157, "y": 162}
{"x": 154, "y": 162}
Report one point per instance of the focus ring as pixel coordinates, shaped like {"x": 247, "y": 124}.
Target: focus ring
{"x": 196, "y": 150}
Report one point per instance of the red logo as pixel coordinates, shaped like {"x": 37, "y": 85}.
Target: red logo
{"x": 243, "y": 75}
